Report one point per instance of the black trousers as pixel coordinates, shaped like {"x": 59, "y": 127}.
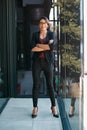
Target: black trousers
{"x": 39, "y": 65}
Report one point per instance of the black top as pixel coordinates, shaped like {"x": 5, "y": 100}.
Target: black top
{"x": 48, "y": 53}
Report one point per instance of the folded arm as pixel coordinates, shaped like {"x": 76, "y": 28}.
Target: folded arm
{"x": 42, "y": 47}
{"x": 45, "y": 46}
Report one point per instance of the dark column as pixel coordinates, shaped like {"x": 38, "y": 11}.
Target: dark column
{"x": 11, "y": 45}
{"x": 3, "y": 51}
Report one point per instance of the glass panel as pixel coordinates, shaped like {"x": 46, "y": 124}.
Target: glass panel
{"x": 55, "y": 13}
{"x": 69, "y": 86}
{"x": 3, "y": 88}
{"x": 67, "y": 27}
{"x": 51, "y": 14}
{"x": 24, "y": 76}
{"x": 70, "y": 45}
{"x": 26, "y": 25}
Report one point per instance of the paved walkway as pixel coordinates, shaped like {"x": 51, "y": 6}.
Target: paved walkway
{"x": 17, "y": 116}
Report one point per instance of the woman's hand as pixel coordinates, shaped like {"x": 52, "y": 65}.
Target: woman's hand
{"x": 51, "y": 41}
{"x": 43, "y": 46}
{"x": 37, "y": 49}
{"x": 38, "y": 45}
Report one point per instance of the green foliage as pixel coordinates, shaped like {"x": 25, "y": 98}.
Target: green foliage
{"x": 70, "y": 59}
{"x": 70, "y": 36}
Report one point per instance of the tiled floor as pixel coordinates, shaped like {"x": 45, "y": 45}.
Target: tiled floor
{"x": 17, "y": 116}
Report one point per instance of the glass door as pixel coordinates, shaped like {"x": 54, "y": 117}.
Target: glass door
{"x": 66, "y": 22}
{"x": 71, "y": 60}
{"x": 25, "y": 26}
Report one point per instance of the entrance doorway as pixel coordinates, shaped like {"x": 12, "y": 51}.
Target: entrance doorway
{"x": 27, "y": 17}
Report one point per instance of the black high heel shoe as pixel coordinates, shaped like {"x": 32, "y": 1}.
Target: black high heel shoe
{"x": 54, "y": 112}
{"x": 34, "y": 112}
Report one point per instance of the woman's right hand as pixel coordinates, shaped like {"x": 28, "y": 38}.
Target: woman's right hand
{"x": 51, "y": 41}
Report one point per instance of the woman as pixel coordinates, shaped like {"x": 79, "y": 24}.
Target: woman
{"x": 42, "y": 47}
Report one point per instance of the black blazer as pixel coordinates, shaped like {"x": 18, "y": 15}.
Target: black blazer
{"x": 49, "y": 53}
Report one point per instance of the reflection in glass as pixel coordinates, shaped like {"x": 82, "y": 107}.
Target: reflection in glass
{"x": 70, "y": 43}
{"x": 66, "y": 24}
{"x": 70, "y": 57}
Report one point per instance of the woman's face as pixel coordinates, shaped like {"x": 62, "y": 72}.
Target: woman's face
{"x": 43, "y": 25}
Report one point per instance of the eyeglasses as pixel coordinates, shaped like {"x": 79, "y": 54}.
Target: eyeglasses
{"x": 42, "y": 23}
